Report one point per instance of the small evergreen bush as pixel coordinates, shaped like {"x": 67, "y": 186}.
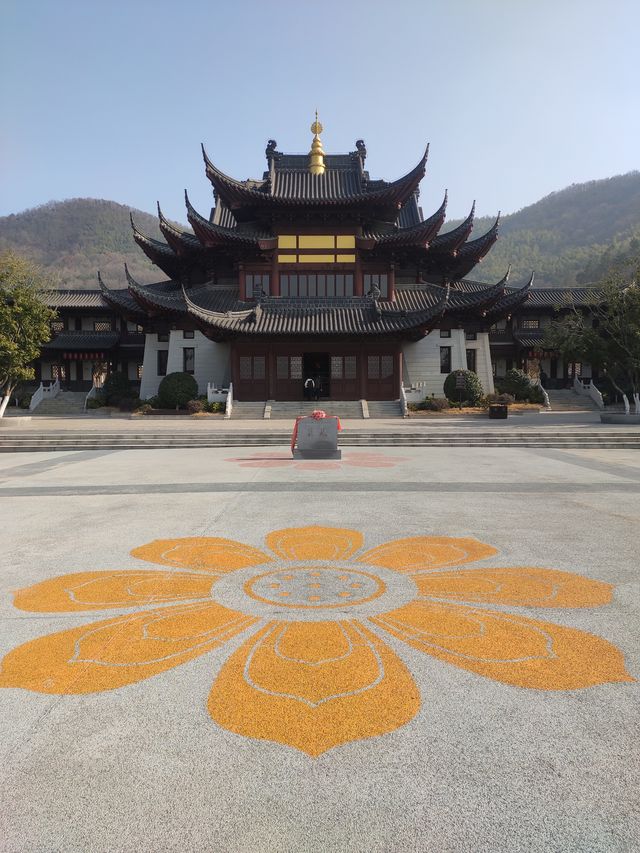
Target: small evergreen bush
{"x": 472, "y": 392}
{"x": 516, "y": 383}
{"x": 116, "y": 388}
{"x": 176, "y": 390}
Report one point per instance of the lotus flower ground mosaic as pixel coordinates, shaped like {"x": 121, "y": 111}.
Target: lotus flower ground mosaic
{"x": 313, "y": 669}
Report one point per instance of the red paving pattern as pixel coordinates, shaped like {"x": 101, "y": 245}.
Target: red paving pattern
{"x": 281, "y": 459}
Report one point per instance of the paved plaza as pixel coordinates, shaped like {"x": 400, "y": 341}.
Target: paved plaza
{"x": 414, "y": 649}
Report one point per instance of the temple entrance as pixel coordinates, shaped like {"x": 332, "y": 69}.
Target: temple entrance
{"x": 317, "y": 366}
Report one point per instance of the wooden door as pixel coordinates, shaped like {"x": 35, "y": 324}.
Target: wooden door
{"x": 345, "y": 384}
{"x": 250, "y": 381}
{"x": 382, "y": 377}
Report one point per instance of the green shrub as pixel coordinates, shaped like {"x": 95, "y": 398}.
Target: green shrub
{"x": 215, "y": 408}
{"x": 435, "y": 404}
{"x": 472, "y": 392}
{"x": 95, "y": 403}
{"x": 505, "y": 399}
{"x": 176, "y": 390}
{"x": 516, "y": 383}
{"x": 116, "y": 388}
{"x": 24, "y": 401}
{"x": 536, "y": 395}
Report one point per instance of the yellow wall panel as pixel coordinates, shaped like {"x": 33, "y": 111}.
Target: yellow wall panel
{"x": 316, "y": 241}
{"x": 287, "y": 259}
{"x": 287, "y": 241}
{"x": 316, "y": 259}
{"x": 345, "y": 241}
{"x": 346, "y": 259}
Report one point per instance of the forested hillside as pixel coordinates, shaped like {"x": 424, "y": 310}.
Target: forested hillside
{"x": 75, "y": 238}
{"x": 569, "y": 237}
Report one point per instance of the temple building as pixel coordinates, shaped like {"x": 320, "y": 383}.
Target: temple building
{"x": 315, "y": 270}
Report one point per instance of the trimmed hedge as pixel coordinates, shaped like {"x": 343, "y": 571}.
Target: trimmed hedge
{"x": 519, "y": 385}
{"x": 472, "y": 392}
{"x": 116, "y": 388}
{"x": 176, "y": 389}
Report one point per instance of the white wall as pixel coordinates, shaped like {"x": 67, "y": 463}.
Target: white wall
{"x": 422, "y": 360}
{"x": 212, "y": 361}
{"x": 150, "y": 379}
{"x": 484, "y": 368}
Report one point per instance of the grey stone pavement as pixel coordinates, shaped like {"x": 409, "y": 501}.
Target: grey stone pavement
{"x": 482, "y": 766}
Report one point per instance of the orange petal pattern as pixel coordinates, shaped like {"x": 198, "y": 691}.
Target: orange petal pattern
{"x": 313, "y": 685}
{"x": 424, "y": 553}
{"x": 314, "y": 543}
{"x": 512, "y": 649}
{"x": 115, "y": 652}
{"x": 204, "y": 553}
{"x": 525, "y": 587}
{"x": 100, "y": 590}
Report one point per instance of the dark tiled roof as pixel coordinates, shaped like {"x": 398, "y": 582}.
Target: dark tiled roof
{"x": 75, "y": 299}
{"x": 450, "y": 241}
{"x": 297, "y": 186}
{"x": 90, "y": 341}
{"x": 209, "y": 233}
{"x": 528, "y": 338}
{"x": 414, "y": 235}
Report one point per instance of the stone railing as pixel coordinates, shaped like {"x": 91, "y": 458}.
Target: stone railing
{"x": 545, "y": 396}
{"x": 44, "y": 392}
{"x": 229, "y": 406}
{"x": 586, "y": 388}
{"x": 414, "y": 393}
{"x": 403, "y": 402}
{"x": 216, "y": 395}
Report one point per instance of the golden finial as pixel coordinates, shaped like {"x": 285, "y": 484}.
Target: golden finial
{"x": 316, "y": 155}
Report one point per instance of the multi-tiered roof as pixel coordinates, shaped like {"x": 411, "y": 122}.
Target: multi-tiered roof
{"x": 389, "y": 228}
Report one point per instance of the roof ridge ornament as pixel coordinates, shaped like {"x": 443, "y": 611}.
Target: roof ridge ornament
{"x": 316, "y": 155}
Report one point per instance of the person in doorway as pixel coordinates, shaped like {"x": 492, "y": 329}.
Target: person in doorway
{"x": 317, "y": 388}
{"x": 310, "y": 389}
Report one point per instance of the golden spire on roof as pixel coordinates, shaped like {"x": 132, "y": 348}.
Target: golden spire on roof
{"x": 316, "y": 155}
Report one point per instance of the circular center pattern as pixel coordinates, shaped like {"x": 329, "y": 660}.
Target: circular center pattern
{"x": 314, "y": 586}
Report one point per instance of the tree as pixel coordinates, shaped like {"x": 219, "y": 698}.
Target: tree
{"x": 607, "y": 335}
{"x": 25, "y": 322}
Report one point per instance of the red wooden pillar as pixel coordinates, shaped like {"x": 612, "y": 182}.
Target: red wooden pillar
{"x": 392, "y": 283}
{"x": 362, "y": 357}
{"x": 357, "y": 278}
{"x": 275, "y": 276}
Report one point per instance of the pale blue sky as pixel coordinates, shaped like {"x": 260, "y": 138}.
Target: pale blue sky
{"x": 517, "y": 97}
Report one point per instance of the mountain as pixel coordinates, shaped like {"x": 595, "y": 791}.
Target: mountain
{"x": 571, "y": 237}
{"x": 73, "y": 239}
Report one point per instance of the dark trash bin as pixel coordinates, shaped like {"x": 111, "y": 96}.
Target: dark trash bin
{"x": 498, "y": 410}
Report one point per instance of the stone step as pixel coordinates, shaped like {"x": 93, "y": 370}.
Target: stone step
{"x": 384, "y": 408}
{"x": 19, "y": 442}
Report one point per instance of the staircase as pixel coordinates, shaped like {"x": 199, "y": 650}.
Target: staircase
{"x": 63, "y": 405}
{"x": 535, "y": 438}
{"x": 345, "y": 409}
{"x": 250, "y": 411}
{"x": 384, "y": 409}
{"x": 569, "y": 401}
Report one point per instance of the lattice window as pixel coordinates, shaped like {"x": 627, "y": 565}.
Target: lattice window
{"x": 350, "y": 367}
{"x": 296, "y": 366}
{"x": 102, "y": 326}
{"x": 386, "y": 366}
{"x": 282, "y": 367}
{"x": 529, "y": 323}
{"x": 245, "y": 367}
{"x": 258, "y": 367}
{"x": 445, "y": 359}
{"x": 373, "y": 367}
{"x": 57, "y": 326}
{"x": 336, "y": 367}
